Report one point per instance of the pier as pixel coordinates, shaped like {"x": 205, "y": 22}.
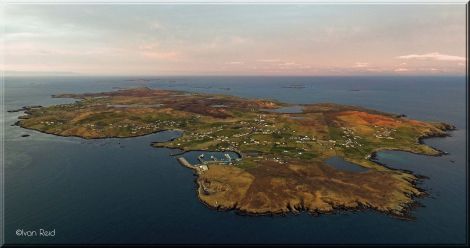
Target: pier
{"x": 198, "y": 168}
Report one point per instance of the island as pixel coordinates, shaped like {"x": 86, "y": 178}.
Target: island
{"x": 283, "y": 148}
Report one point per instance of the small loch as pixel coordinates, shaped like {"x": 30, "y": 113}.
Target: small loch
{"x": 341, "y": 164}
{"x": 294, "y": 109}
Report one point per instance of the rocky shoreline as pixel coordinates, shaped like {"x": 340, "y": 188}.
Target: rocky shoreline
{"x": 268, "y": 182}
{"x": 25, "y": 108}
{"x": 295, "y": 210}
{"x": 405, "y": 214}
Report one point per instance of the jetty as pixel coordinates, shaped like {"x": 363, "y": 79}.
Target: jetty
{"x": 198, "y": 168}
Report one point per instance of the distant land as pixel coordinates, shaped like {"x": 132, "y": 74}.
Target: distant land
{"x": 283, "y": 148}
{"x": 40, "y": 73}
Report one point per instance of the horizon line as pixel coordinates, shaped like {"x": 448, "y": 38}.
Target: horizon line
{"x": 227, "y": 75}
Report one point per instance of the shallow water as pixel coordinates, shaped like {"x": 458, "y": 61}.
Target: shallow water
{"x": 125, "y": 191}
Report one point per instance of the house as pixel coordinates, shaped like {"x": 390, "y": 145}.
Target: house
{"x": 203, "y": 167}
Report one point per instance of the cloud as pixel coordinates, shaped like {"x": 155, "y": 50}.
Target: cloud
{"x": 226, "y": 42}
{"x": 361, "y": 65}
{"x": 401, "y": 70}
{"x": 288, "y": 64}
{"x": 432, "y": 56}
{"x": 237, "y": 40}
{"x": 153, "y": 50}
{"x": 147, "y": 46}
{"x": 268, "y": 60}
{"x": 172, "y": 56}
{"x": 155, "y": 26}
{"x": 235, "y": 63}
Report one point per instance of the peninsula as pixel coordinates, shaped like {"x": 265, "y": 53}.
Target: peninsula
{"x": 282, "y": 167}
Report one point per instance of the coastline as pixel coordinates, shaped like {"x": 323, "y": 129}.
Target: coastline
{"x": 405, "y": 214}
{"x": 297, "y": 209}
{"x": 294, "y": 210}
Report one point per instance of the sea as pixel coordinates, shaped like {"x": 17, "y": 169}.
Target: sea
{"x": 123, "y": 191}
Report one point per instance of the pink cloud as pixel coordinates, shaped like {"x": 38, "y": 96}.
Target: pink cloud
{"x": 432, "y": 56}
{"x": 268, "y": 60}
{"x": 361, "y": 65}
{"x": 162, "y": 55}
{"x": 235, "y": 63}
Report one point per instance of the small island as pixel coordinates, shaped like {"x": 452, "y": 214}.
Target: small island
{"x": 282, "y": 165}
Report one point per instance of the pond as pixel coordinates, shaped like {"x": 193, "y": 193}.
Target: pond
{"x": 294, "y": 109}
{"x": 341, "y": 164}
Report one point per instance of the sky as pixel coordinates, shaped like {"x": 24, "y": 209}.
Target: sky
{"x": 235, "y": 39}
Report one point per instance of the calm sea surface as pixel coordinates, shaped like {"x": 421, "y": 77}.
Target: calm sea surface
{"x": 124, "y": 191}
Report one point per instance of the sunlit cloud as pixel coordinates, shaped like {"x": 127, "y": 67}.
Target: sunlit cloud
{"x": 432, "y": 56}
{"x": 268, "y": 60}
{"x": 361, "y": 64}
{"x": 172, "y": 56}
{"x": 235, "y": 63}
{"x": 288, "y": 64}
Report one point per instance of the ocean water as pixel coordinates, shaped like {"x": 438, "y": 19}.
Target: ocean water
{"x": 123, "y": 191}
